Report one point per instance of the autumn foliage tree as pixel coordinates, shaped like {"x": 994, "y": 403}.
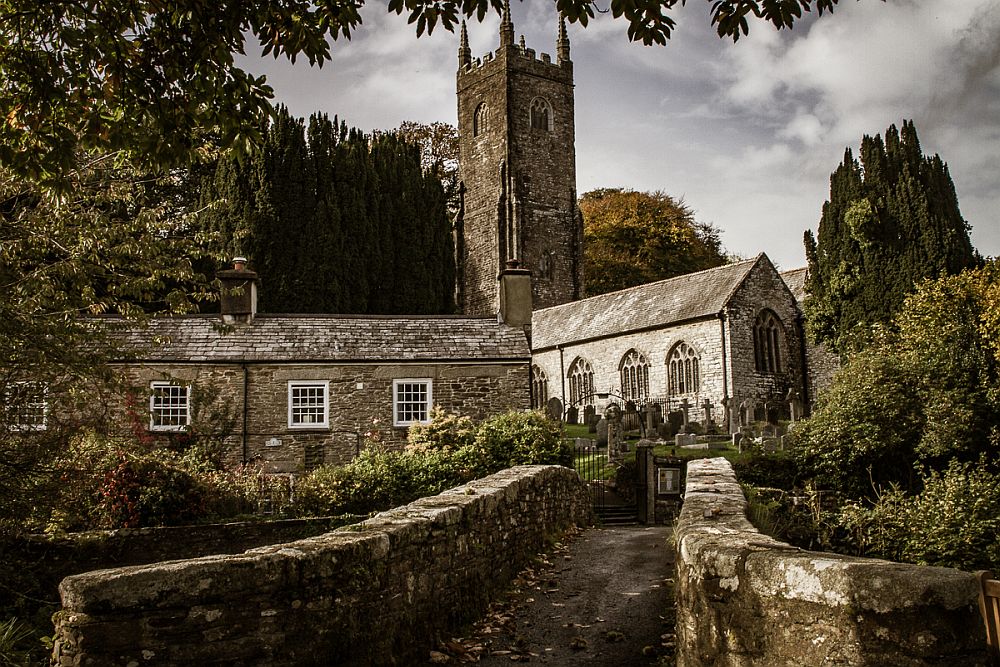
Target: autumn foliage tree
{"x": 632, "y": 238}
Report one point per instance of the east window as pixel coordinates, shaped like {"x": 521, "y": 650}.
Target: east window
{"x": 308, "y": 404}
{"x": 411, "y": 401}
{"x": 169, "y": 406}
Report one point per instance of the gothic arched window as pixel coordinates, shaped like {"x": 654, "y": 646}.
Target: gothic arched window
{"x": 541, "y": 114}
{"x": 683, "y": 370}
{"x": 768, "y": 337}
{"x": 634, "y": 370}
{"x": 581, "y": 381}
{"x": 480, "y": 119}
{"x": 539, "y": 388}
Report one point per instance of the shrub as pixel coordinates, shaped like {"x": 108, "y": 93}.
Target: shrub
{"x": 517, "y": 438}
{"x": 953, "y": 522}
{"x": 445, "y": 432}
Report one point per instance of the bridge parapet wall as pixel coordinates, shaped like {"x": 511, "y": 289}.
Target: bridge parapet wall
{"x": 745, "y": 599}
{"x": 375, "y": 592}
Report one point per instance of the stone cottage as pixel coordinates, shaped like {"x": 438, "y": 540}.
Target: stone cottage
{"x": 296, "y": 391}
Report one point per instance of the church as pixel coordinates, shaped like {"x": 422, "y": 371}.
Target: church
{"x": 291, "y": 392}
{"x": 725, "y": 345}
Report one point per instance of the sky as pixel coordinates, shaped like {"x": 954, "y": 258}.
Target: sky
{"x": 746, "y": 134}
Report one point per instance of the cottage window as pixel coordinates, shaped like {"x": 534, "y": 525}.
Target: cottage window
{"x": 683, "y": 370}
{"x": 27, "y": 406}
{"x": 634, "y": 371}
{"x": 411, "y": 401}
{"x": 308, "y": 404}
{"x": 541, "y": 114}
{"x": 539, "y": 388}
{"x": 768, "y": 335}
{"x": 480, "y": 119}
{"x": 581, "y": 381}
{"x": 169, "y": 406}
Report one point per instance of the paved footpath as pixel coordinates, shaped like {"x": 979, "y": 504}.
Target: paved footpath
{"x": 602, "y": 597}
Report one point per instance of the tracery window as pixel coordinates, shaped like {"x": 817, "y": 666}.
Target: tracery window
{"x": 539, "y": 388}
{"x": 581, "y": 381}
{"x": 480, "y": 119}
{"x": 634, "y": 370}
{"x": 683, "y": 370}
{"x": 541, "y": 114}
{"x": 768, "y": 335}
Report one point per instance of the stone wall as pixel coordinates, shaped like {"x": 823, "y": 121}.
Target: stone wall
{"x": 374, "y": 593}
{"x": 360, "y": 398}
{"x": 746, "y": 599}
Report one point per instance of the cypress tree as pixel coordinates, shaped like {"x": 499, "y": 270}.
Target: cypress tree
{"x": 892, "y": 220}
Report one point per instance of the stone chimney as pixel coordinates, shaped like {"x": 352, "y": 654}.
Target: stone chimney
{"x": 515, "y": 295}
{"x": 239, "y": 293}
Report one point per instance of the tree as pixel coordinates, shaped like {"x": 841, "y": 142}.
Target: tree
{"x": 379, "y": 238}
{"x": 632, "y": 238}
{"x": 438, "y": 144}
{"x": 892, "y": 220}
{"x": 149, "y": 78}
{"x": 926, "y": 391}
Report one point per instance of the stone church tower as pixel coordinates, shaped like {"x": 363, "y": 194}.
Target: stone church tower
{"x": 518, "y": 169}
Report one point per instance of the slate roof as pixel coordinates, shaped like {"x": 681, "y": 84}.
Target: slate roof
{"x": 796, "y": 281}
{"x": 653, "y": 305}
{"x": 324, "y": 338}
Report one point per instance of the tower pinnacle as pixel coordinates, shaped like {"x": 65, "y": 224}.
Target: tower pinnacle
{"x": 506, "y": 26}
{"x": 562, "y": 43}
{"x": 464, "y": 53}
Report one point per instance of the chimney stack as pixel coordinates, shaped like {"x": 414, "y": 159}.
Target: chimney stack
{"x": 515, "y": 295}
{"x": 239, "y": 293}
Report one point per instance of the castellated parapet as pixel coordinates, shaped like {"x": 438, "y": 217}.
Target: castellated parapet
{"x": 518, "y": 168}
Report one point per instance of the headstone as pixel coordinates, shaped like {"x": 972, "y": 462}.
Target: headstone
{"x": 613, "y": 416}
{"x": 650, "y": 421}
{"x": 685, "y": 439}
{"x": 572, "y": 415}
{"x": 685, "y": 406}
{"x": 727, "y": 417}
{"x": 665, "y": 431}
{"x": 706, "y": 406}
{"x": 676, "y": 420}
{"x": 554, "y": 409}
{"x": 746, "y": 412}
{"x": 794, "y": 405}
{"x": 589, "y": 415}
{"x": 738, "y": 442}
{"x": 602, "y": 432}
{"x": 583, "y": 444}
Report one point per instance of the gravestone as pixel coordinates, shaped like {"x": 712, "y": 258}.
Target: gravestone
{"x": 794, "y": 405}
{"x": 590, "y": 416}
{"x": 602, "y": 432}
{"x": 676, "y": 420}
{"x": 685, "y": 406}
{"x": 650, "y": 419}
{"x": 706, "y": 406}
{"x": 613, "y": 417}
{"x": 572, "y": 415}
{"x": 554, "y": 409}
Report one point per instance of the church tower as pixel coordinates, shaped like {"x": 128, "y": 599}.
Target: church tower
{"x": 518, "y": 169}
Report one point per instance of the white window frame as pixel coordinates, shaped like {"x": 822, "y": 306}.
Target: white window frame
{"x": 427, "y": 402}
{"x": 308, "y": 384}
{"x": 43, "y": 402}
{"x": 155, "y": 409}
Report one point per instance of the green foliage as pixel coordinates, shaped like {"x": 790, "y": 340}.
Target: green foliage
{"x": 517, "y": 438}
{"x": 445, "y": 432}
{"x": 892, "y": 220}
{"x": 443, "y": 454}
{"x": 14, "y": 643}
{"x": 632, "y": 238}
{"x": 923, "y": 394}
{"x": 953, "y": 522}
{"x": 372, "y": 207}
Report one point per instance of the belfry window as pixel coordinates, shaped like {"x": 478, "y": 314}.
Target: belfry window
{"x": 634, "y": 371}
{"x": 539, "y": 388}
{"x": 480, "y": 119}
{"x": 581, "y": 381}
{"x": 768, "y": 337}
{"x": 683, "y": 370}
{"x": 541, "y": 115}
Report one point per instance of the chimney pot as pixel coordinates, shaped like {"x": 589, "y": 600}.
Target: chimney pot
{"x": 239, "y": 263}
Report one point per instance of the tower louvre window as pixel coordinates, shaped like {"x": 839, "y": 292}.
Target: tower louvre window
{"x": 480, "y": 119}
{"x": 541, "y": 114}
